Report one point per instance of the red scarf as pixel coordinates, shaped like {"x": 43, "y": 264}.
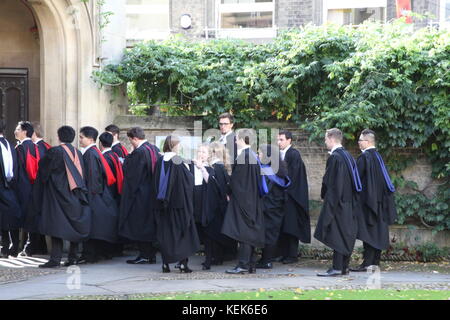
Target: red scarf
{"x": 32, "y": 164}
{"x": 109, "y": 174}
{"x": 152, "y": 156}
{"x": 119, "y": 172}
{"x": 125, "y": 151}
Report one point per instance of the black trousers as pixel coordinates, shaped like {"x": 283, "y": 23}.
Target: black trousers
{"x": 268, "y": 253}
{"x": 371, "y": 255}
{"x": 10, "y": 242}
{"x": 146, "y": 250}
{"x": 35, "y": 243}
{"x": 288, "y": 246}
{"x": 340, "y": 261}
{"x": 57, "y": 250}
{"x": 246, "y": 256}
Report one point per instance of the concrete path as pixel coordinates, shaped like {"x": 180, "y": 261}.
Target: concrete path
{"x": 115, "y": 277}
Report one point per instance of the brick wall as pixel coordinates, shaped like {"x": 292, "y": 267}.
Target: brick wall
{"x": 314, "y": 156}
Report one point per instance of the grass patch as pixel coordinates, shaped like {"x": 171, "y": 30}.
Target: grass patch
{"x": 298, "y": 294}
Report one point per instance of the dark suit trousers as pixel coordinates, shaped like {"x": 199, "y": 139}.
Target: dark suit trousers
{"x": 57, "y": 250}
{"x": 340, "y": 261}
{"x": 10, "y": 242}
{"x": 288, "y": 245}
{"x": 371, "y": 255}
{"x": 246, "y": 256}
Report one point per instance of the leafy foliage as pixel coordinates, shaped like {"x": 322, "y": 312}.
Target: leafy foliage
{"x": 386, "y": 77}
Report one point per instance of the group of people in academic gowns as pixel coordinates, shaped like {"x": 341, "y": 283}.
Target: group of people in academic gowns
{"x": 229, "y": 198}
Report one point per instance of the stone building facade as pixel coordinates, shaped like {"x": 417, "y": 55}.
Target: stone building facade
{"x": 49, "y": 49}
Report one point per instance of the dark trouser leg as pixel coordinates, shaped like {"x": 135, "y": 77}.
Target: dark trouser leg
{"x": 245, "y": 256}
{"x": 5, "y": 243}
{"x": 209, "y": 247}
{"x": 73, "y": 251}
{"x": 268, "y": 253}
{"x": 369, "y": 254}
{"x": 146, "y": 250}
{"x": 57, "y": 250}
{"x": 37, "y": 243}
{"x": 283, "y": 245}
{"x": 89, "y": 250}
{"x": 340, "y": 261}
{"x": 377, "y": 257}
{"x": 292, "y": 251}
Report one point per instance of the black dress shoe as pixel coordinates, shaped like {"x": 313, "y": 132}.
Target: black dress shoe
{"x": 237, "y": 270}
{"x": 289, "y": 260}
{"x": 69, "y": 263}
{"x": 330, "y": 273}
{"x": 139, "y": 260}
{"x": 264, "y": 265}
{"x": 50, "y": 264}
{"x": 360, "y": 268}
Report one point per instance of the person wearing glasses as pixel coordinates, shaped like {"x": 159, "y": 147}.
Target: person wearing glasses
{"x": 337, "y": 224}
{"x": 377, "y": 201}
{"x": 228, "y": 137}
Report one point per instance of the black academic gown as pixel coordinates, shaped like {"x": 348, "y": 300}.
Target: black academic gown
{"x": 378, "y": 206}
{"x": 62, "y": 213}
{"x": 119, "y": 150}
{"x": 24, "y": 187}
{"x": 215, "y": 206}
{"x": 10, "y": 211}
{"x": 273, "y": 207}
{"x": 174, "y": 211}
{"x": 137, "y": 218}
{"x": 42, "y": 147}
{"x": 244, "y": 218}
{"x": 337, "y": 224}
{"x": 296, "y": 221}
{"x": 113, "y": 188}
{"x": 103, "y": 206}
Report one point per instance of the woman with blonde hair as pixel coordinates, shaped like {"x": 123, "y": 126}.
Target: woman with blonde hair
{"x": 176, "y": 230}
{"x": 215, "y": 205}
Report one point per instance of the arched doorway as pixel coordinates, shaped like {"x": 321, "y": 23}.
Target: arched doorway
{"x": 19, "y": 65}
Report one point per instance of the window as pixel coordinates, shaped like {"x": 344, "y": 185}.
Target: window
{"x": 354, "y": 12}
{"x": 444, "y": 13}
{"x": 147, "y": 19}
{"x": 246, "y": 18}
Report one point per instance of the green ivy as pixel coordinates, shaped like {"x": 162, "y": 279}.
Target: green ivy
{"x": 386, "y": 77}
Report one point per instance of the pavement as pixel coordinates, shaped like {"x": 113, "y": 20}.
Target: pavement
{"x": 115, "y": 278}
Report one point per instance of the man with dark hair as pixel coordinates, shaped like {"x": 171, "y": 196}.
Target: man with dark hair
{"x": 244, "y": 218}
{"x": 104, "y": 209}
{"x": 337, "y": 225}
{"x": 137, "y": 218}
{"x": 63, "y": 213}
{"x": 106, "y": 140}
{"x": 10, "y": 212}
{"x": 28, "y": 156}
{"x": 296, "y": 221}
{"x": 377, "y": 201}
{"x": 228, "y": 138}
{"x": 116, "y": 146}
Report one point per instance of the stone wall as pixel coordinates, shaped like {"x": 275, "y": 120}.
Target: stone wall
{"x": 314, "y": 156}
{"x": 293, "y": 13}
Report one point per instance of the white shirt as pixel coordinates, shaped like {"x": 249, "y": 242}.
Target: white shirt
{"x": 114, "y": 143}
{"x": 141, "y": 143}
{"x": 239, "y": 151}
{"x": 223, "y": 138}
{"x": 20, "y": 142}
{"x": 283, "y": 152}
{"x": 198, "y": 175}
{"x": 335, "y": 147}
{"x": 83, "y": 150}
{"x": 372, "y": 147}
{"x": 7, "y": 160}
{"x": 37, "y": 140}
{"x": 106, "y": 150}
{"x": 215, "y": 160}
{"x": 169, "y": 155}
